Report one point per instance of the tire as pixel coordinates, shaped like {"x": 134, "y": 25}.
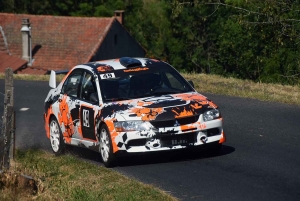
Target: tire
{"x": 56, "y": 138}
{"x": 105, "y": 147}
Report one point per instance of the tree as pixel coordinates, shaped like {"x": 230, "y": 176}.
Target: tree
{"x": 255, "y": 39}
{"x": 148, "y": 22}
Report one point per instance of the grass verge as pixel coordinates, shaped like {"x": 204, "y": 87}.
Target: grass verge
{"x": 68, "y": 178}
{"x": 245, "y": 88}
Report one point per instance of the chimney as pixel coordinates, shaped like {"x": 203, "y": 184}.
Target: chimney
{"x": 119, "y": 15}
{"x": 26, "y": 41}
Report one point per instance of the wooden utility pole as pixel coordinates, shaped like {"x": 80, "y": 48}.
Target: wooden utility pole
{"x": 6, "y": 128}
{"x": 8, "y": 120}
{"x": 9, "y": 86}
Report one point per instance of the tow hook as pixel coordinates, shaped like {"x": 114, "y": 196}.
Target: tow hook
{"x": 203, "y": 138}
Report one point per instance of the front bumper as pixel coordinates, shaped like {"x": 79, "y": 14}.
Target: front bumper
{"x": 172, "y": 138}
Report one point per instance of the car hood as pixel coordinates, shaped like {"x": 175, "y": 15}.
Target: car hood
{"x": 158, "y": 108}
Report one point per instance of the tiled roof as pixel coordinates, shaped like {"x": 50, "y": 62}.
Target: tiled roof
{"x": 57, "y": 42}
{"x": 13, "y": 62}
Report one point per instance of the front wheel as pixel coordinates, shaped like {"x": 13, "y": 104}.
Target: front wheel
{"x": 56, "y": 138}
{"x": 105, "y": 147}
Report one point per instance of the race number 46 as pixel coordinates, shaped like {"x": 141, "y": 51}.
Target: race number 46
{"x": 107, "y": 76}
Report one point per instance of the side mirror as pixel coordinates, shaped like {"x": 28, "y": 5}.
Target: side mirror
{"x": 94, "y": 98}
{"x": 191, "y": 83}
{"x": 52, "y": 80}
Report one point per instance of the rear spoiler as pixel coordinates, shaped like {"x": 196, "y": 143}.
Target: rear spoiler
{"x": 52, "y": 80}
{"x": 58, "y": 72}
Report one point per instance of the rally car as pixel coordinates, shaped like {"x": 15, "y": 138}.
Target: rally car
{"x": 132, "y": 105}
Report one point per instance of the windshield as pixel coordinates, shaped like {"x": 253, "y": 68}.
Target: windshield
{"x": 142, "y": 82}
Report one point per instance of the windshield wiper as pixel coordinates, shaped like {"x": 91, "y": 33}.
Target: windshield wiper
{"x": 117, "y": 99}
{"x": 165, "y": 91}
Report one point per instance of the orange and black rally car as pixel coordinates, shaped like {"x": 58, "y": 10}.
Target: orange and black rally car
{"x": 129, "y": 105}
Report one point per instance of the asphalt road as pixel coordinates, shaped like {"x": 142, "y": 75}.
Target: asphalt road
{"x": 260, "y": 160}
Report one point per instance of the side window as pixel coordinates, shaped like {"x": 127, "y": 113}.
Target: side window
{"x": 72, "y": 84}
{"x": 88, "y": 87}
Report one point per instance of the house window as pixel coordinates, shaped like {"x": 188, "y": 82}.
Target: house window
{"x": 116, "y": 39}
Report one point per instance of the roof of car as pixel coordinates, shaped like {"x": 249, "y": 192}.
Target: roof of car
{"x": 117, "y": 64}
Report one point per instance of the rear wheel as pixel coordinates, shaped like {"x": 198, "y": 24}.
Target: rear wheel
{"x": 56, "y": 138}
{"x": 105, "y": 147}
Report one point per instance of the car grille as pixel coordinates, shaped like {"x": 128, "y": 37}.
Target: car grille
{"x": 213, "y": 132}
{"x": 175, "y": 122}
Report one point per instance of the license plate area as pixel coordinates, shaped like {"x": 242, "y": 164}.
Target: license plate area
{"x": 174, "y": 140}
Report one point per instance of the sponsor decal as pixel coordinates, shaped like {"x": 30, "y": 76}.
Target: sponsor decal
{"x": 105, "y": 68}
{"x": 135, "y": 69}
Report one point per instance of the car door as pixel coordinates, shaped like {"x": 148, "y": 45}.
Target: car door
{"x": 88, "y": 106}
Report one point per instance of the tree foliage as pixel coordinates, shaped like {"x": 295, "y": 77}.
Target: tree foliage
{"x": 248, "y": 39}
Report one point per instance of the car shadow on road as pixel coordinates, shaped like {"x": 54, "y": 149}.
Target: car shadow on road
{"x": 151, "y": 158}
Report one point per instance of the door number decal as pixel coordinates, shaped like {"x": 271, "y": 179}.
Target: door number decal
{"x": 85, "y": 120}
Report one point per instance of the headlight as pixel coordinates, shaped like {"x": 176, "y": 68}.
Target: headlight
{"x": 122, "y": 126}
{"x": 211, "y": 114}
